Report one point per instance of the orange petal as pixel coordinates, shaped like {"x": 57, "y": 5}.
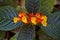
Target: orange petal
{"x": 39, "y": 20}
{"x": 31, "y": 15}
{"x": 22, "y": 14}
{"x": 20, "y": 18}
{"x": 37, "y": 15}
{"x": 28, "y": 20}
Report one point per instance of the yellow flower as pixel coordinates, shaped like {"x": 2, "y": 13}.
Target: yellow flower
{"x": 33, "y": 20}
{"x": 44, "y": 18}
{"x": 24, "y": 19}
{"x": 44, "y": 23}
{"x": 15, "y": 19}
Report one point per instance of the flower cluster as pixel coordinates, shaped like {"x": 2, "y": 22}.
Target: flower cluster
{"x": 35, "y": 19}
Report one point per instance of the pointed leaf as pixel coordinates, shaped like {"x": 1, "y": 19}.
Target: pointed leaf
{"x": 46, "y": 6}
{"x": 32, "y": 6}
{"x": 26, "y": 33}
{"x": 53, "y": 27}
{"x": 7, "y": 14}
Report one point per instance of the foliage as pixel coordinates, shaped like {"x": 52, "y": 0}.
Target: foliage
{"x": 28, "y": 32}
{"x": 7, "y": 14}
{"x": 46, "y": 6}
{"x": 32, "y": 6}
{"x": 43, "y": 6}
{"x": 53, "y": 26}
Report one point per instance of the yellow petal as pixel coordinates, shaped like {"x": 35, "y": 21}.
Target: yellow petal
{"x": 33, "y": 20}
{"x": 44, "y": 18}
{"x": 44, "y": 23}
{"x": 24, "y": 19}
{"x": 15, "y": 19}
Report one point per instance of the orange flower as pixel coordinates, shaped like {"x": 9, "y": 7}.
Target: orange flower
{"x": 31, "y": 15}
{"x": 39, "y": 20}
{"x": 21, "y": 14}
{"x": 37, "y": 15}
{"x": 28, "y": 20}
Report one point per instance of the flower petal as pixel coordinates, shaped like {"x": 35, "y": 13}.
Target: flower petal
{"x": 15, "y": 19}
{"x": 33, "y": 20}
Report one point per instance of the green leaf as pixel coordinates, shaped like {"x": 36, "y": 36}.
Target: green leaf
{"x": 32, "y": 6}
{"x": 46, "y": 6}
{"x": 26, "y": 33}
{"x": 7, "y": 13}
{"x": 43, "y": 6}
{"x": 43, "y": 36}
{"x": 53, "y": 27}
